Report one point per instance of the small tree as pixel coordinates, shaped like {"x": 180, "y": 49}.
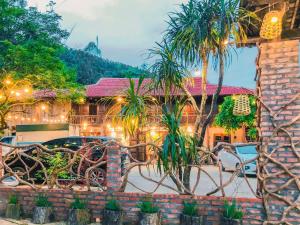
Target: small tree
{"x": 226, "y": 119}
{"x": 131, "y": 109}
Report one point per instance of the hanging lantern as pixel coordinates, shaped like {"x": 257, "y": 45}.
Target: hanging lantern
{"x": 272, "y": 25}
{"x": 241, "y": 106}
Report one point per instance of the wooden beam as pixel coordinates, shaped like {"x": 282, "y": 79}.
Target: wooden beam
{"x": 295, "y": 14}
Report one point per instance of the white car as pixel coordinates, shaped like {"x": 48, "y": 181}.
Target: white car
{"x": 230, "y": 162}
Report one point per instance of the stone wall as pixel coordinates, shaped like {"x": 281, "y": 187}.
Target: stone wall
{"x": 279, "y": 89}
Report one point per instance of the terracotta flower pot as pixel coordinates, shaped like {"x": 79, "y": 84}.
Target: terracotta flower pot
{"x": 150, "y": 219}
{"x": 79, "y": 217}
{"x": 13, "y": 211}
{"x": 227, "y": 221}
{"x": 113, "y": 217}
{"x": 41, "y": 215}
{"x": 191, "y": 220}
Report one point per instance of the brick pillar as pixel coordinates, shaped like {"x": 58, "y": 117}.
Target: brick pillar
{"x": 114, "y": 177}
{"x": 279, "y": 83}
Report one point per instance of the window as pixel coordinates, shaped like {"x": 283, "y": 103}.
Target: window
{"x": 93, "y": 109}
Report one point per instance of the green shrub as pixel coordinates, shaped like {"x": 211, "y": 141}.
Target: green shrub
{"x": 13, "y": 199}
{"x": 78, "y": 204}
{"x": 147, "y": 206}
{"x": 42, "y": 201}
{"x": 113, "y": 205}
{"x": 190, "y": 208}
{"x": 232, "y": 211}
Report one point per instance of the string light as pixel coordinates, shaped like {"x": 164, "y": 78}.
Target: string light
{"x": 18, "y": 94}
{"x": 8, "y": 81}
{"x": 120, "y": 99}
{"x": 43, "y": 107}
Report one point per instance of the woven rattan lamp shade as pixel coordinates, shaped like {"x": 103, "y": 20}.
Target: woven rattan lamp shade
{"x": 272, "y": 25}
{"x": 241, "y": 106}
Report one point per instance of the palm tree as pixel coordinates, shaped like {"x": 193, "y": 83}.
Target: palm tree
{"x": 190, "y": 35}
{"x": 201, "y": 30}
{"x": 131, "y": 108}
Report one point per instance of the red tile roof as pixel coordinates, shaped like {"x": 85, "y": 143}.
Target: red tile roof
{"x": 115, "y": 86}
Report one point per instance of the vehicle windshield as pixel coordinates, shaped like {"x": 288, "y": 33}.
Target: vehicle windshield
{"x": 6, "y": 140}
{"x": 251, "y": 149}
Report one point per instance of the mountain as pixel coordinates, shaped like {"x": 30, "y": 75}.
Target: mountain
{"x": 90, "y": 67}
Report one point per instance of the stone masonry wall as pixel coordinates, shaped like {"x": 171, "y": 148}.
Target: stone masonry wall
{"x": 279, "y": 86}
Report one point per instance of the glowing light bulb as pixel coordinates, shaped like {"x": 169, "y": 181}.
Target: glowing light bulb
{"x": 43, "y": 107}
{"x": 8, "y": 81}
{"x": 26, "y": 90}
{"x": 189, "y": 129}
{"x": 120, "y": 99}
{"x": 226, "y": 42}
{"x": 153, "y": 133}
{"x": 18, "y": 94}
{"x": 274, "y": 19}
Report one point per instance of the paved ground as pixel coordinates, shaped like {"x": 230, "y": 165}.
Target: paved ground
{"x": 238, "y": 188}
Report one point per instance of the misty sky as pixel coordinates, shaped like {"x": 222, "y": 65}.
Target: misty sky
{"x": 127, "y": 28}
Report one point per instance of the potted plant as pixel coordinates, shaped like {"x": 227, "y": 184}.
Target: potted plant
{"x": 113, "y": 213}
{"x": 78, "y": 213}
{"x": 232, "y": 214}
{"x": 13, "y": 208}
{"x": 190, "y": 214}
{"x": 149, "y": 214}
{"x": 42, "y": 210}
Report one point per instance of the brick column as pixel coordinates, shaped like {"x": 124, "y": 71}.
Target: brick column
{"x": 114, "y": 177}
{"x": 279, "y": 83}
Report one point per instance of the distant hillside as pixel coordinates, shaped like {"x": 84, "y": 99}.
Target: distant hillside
{"x": 90, "y": 67}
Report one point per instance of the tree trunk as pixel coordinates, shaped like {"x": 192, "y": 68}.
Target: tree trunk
{"x": 203, "y": 94}
{"x": 214, "y": 103}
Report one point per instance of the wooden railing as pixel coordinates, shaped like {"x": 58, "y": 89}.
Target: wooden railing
{"x": 100, "y": 119}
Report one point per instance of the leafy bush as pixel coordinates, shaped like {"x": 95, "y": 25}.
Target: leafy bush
{"x": 78, "y": 204}
{"x": 232, "y": 211}
{"x": 148, "y": 206}
{"x": 113, "y": 205}
{"x": 42, "y": 201}
{"x": 13, "y": 199}
{"x": 190, "y": 208}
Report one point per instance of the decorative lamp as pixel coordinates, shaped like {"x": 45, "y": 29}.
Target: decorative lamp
{"x": 272, "y": 25}
{"x": 241, "y": 106}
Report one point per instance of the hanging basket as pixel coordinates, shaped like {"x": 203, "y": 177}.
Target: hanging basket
{"x": 272, "y": 25}
{"x": 242, "y": 106}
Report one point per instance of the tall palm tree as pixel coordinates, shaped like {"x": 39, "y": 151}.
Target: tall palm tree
{"x": 193, "y": 41}
{"x": 200, "y": 31}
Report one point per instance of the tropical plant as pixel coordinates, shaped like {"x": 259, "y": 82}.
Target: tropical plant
{"x": 131, "y": 108}
{"x": 78, "y": 204}
{"x": 13, "y": 199}
{"x": 42, "y": 201}
{"x": 226, "y": 119}
{"x": 232, "y": 211}
{"x": 201, "y": 30}
{"x": 147, "y": 206}
{"x": 190, "y": 208}
{"x": 178, "y": 148}
{"x": 113, "y": 205}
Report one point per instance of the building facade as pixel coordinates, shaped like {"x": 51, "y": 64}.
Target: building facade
{"x": 48, "y": 118}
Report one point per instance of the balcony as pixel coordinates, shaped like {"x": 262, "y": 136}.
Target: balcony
{"x": 101, "y": 119}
